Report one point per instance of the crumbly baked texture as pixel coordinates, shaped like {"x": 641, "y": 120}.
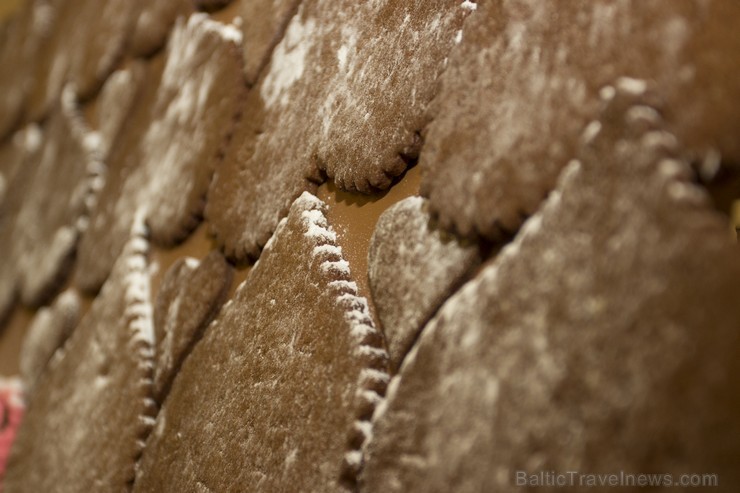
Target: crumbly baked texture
{"x": 50, "y": 328}
{"x": 92, "y": 408}
{"x": 189, "y": 297}
{"x": 413, "y": 267}
{"x": 165, "y": 157}
{"x": 153, "y": 23}
{"x": 605, "y": 336}
{"x": 57, "y": 196}
{"x": 524, "y": 81}
{"x": 268, "y": 397}
{"x": 351, "y": 84}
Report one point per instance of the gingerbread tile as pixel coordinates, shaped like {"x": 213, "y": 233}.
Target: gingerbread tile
{"x": 114, "y": 213}
{"x": 16, "y": 169}
{"x": 116, "y": 101}
{"x": 345, "y": 94}
{"x": 266, "y": 399}
{"x": 50, "y": 328}
{"x": 605, "y": 334}
{"x": 524, "y": 81}
{"x": 92, "y": 408}
{"x": 188, "y": 299}
{"x": 413, "y": 267}
{"x": 54, "y": 57}
{"x": 165, "y": 158}
{"x": 55, "y": 205}
{"x": 197, "y": 102}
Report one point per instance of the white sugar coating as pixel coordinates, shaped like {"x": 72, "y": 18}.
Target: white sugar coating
{"x": 353, "y": 457}
{"x": 327, "y": 249}
{"x": 372, "y": 352}
{"x": 307, "y": 201}
{"x": 288, "y": 62}
{"x": 339, "y": 267}
{"x": 229, "y": 32}
{"x": 168, "y": 172}
{"x": 32, "y": 136}
{"x": 364, "y": 427}
{"x": 373, "y": 375}
{"x": 192, "y": 263}
{"x": 344, "y": 286}
{"x": 632, "y": 86}
{"x": 467, "y": 4}
{"x": 370, "y": 396}
{"x": 591, "y": 131}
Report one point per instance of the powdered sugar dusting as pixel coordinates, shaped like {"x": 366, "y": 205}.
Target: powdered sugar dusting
{"x": 288, "y": 61}
{"x": 356, "y": 313}
{"x": 137, "y": 284}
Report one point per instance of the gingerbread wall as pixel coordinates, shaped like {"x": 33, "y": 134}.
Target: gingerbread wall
{"x": 303, "y": 245}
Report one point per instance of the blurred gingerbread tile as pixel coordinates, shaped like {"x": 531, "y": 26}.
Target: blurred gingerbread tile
{"x": 92, "y": 408}
{"x": 49, "y": 329}
{"x": 54, "y": 211}
{"x": 605, "y": 334}
{"x": 524, "y": 81}
{"x": 164, "y": 159}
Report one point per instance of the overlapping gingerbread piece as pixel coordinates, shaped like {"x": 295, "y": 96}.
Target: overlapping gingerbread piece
{"x": 263, "y": 25}
{"x": 16, "y": 158}
{"x": 524, "y": 81}
{"x": 154, "y": 21}
{"x": 351, "y": 84}
{"x": 92, "y": 408}
{"x": 115, "y": 103}
{"x": 197, "y": 103}
{"x": 109, "y": 225}
{"x": 51, "y": 62}
{"x": 50, "y": 328}
{"x": 56, "y": 200}
{"x": 188, "y": 299}
{"x": 165, "y": 157}
{"x": 267, "y": 398}
{"x": 412, "y": 268}
{"x": 102, "y": 31}
{"x": 604, "y": 336}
